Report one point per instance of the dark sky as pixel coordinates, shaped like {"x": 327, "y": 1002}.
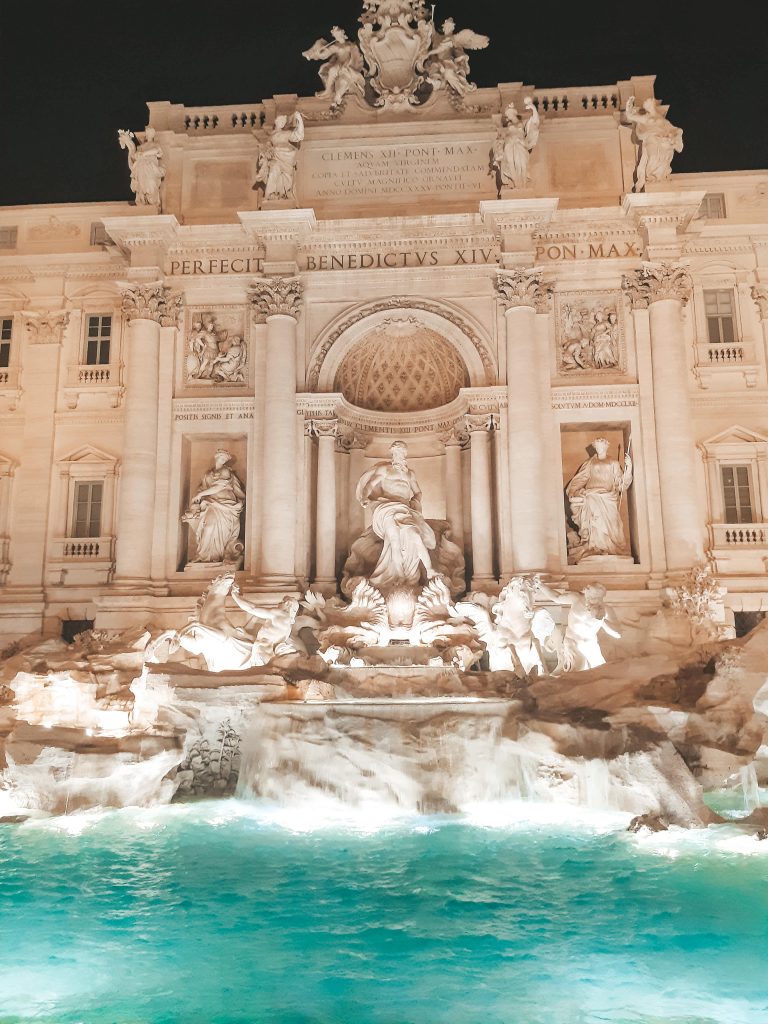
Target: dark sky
{"x": 74, "y": 72}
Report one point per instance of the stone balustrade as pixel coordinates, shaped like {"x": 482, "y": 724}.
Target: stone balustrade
{"x": 727, "y": 535}
{"x": 65, "y": 548}
{"x": 579, "y": 102}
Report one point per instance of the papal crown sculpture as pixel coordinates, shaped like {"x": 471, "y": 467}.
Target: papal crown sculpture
{"x": 401, "y": 57}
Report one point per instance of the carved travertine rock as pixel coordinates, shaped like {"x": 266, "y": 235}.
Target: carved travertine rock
{"x": 656, "y": 281}
{"x": 277, "y": 296}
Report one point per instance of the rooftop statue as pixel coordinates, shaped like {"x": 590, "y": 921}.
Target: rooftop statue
{"x": 145, "y": 162}
{"x": 401, "y": 56}
{"x": 515, "y": 141}
{"x": 659, "y": 141}
{"x": 277, "y": 162}
{"x": 447, "y": 64}
{"x": 342, "y": 71}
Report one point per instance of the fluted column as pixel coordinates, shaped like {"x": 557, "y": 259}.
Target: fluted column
{"x": 454, "y": 489}
{"x": 479, "y": 428}
{"x": 325, "y": 509}
{"x": 277, "y": 301}
{"x": 664, "y": 289}
{"x": 147, "y": 308}
{"x": 522, "y": 294}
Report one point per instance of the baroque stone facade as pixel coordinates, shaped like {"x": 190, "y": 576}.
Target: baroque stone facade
{"x": 525, "y": 294}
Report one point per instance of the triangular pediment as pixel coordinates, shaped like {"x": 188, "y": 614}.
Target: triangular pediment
{"x": 89, "y": 454}
{"x": 735, "y": 435}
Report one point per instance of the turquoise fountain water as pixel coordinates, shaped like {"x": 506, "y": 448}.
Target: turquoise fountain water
{"x": 235, "y": 912}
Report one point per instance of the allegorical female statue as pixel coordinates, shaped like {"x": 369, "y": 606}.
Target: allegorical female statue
{"x": 659, "y": 141}
{"x": 391, "y": 488}
{"x": 595, "y": 494}
{"x": 277, "y": 163}
{"x": 342, "y": 71}
{"x": 145, "y": 162}
{"x": 514, "y": 143}
{"x": 214, "y": 514}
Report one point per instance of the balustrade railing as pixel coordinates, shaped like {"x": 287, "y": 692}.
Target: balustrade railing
{"x": 729, "y": 535}
{"x": 69, "y": 549}
{"x": 591, "y": 99}
{"x": 223, "y": 119}
{"x": 725, "y": 355}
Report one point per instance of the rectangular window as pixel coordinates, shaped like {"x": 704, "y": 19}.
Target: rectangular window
{"x": 713, "y": 206}
{"x": 6, "y": 331}
{"x": 737, "y": 494}
{"x": 8, "y": 237}
{"x": 86, "y": 520}
{"x": 97, "y": 339}
{"x": 718, "y": 306}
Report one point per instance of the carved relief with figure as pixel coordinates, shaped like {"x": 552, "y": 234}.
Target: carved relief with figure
{"x": 589, "y": 333}
{"x": 215, "y": 353}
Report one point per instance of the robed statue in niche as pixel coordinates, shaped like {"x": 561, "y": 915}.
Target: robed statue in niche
{"x": 595, "y": 494}
{"x": 214, "y": 514}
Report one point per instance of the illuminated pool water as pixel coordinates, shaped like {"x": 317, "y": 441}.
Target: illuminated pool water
{"x": 224, "y": 912}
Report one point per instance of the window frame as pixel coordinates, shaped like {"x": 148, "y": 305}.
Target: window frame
{"x": 99, "y": 339}
{"x": 88, "y": 522}
{"x": 9, "y": 237}
{"x": 735, "y": 466}
{"x": 704, "y": 209}
{"x": 721, "y": 317}
{"x": 6, "y": 343}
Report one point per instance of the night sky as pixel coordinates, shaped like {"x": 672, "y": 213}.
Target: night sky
{"x": 72, "y": 73}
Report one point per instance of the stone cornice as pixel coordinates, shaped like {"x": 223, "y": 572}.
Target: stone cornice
{"x": 653, "y": 209}
{"x": 278, "y": 225}
{"x": 276, "y": 296}
{"x": 523, "y": 287}
{"x": 656, "y": 281}
{"x": 151, "y": 301}
{"x": 131, "y": 233}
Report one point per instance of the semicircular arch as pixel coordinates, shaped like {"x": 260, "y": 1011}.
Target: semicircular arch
{"x": 341, "y": 336}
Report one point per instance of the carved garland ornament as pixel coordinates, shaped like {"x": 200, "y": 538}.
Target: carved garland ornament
{"x": 656, "y": 281}
{"x": 276, "y": 296}
{"x": 151, "y": 302}
{"x": 313, "y": 376}
{"x": 523, "y": 287}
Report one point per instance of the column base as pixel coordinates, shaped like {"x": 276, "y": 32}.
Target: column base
{"x": 277, "y": 583}
{"x": 327, "y": 587}
{"x": 484, "y": 584}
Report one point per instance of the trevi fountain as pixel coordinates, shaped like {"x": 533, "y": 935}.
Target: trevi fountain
{"x": 417, "y": 693}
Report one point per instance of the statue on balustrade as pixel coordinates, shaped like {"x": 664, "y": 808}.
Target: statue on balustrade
{"x": 145, "y": 162}
{"x": 659, "y": 141}
{"x": 447, "y": 64}
{"x": 276, "y": 169}
{"x": 342, "y": 71}
{"x": 515, "y": 141}
{"x": 595, "y": 495}
{"x": 214, "y": 514}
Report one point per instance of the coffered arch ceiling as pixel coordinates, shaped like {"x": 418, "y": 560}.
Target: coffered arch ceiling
{"x": 401, "y": 365}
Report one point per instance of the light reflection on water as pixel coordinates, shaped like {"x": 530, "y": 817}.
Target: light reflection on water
{"x": 232, "y": 911}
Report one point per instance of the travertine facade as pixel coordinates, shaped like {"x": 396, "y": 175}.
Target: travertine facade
{"x": 391, "y": 260}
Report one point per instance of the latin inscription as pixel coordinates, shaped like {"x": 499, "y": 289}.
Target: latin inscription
{"x": 396, "y": 170}
{"x": 588, "y": 251}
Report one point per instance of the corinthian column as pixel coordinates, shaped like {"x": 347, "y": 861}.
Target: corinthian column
{"x": 522, "y": 295}
{"x": 147, "y": 308}
{"x": 479, "y": 428}
{"x": 325, "y": 510}
{"x": 664, "y": 289}
{"x": 277, "y": 301}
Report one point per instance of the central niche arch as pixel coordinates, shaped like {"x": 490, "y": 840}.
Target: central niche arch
{"x": 401, "y": 365}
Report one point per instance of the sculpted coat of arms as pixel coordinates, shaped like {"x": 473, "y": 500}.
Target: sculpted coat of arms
{"x": 401, "y": 58}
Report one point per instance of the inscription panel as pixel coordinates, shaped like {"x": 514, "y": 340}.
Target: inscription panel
{"x": 389, "y": 170}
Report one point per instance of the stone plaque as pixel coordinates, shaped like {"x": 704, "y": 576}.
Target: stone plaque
{"x": 388, "y": 170}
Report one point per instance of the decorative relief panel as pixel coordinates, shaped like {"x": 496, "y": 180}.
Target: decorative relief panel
{"x": 589, "y": 333}
{"x": 216, "y": 347}
{"x": 402, "y": 366}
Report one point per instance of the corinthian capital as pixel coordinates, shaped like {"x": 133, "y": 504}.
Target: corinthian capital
{"x": 655, "y": 281}
{"x": 523, "y": 287}
{"x": 46, "y": 328}
{"x": 760, "y": 295}
{"x": 276, "y": 296}
{"x": 151, "y": 302}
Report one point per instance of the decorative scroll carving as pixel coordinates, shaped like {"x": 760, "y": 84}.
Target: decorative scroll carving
{"x": 523, "y": 287}
{"x": 46, "y": 328}
{"x": 655, "y": 281}
{"x": 276, "y": 296}
{"x": 481, "y": 421}
{"x": 397, "y": 302}
{"x": 215, "y": 353}
{"x": 322, "y": 428}
{"x": 151, "y": 302}
{"x": 589, "y": 333}
{"x": 401, "y": 366}
{"x": 348, "y": 440}
{"x": 455, "y": 436}
{"x": 760, "y": 295}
